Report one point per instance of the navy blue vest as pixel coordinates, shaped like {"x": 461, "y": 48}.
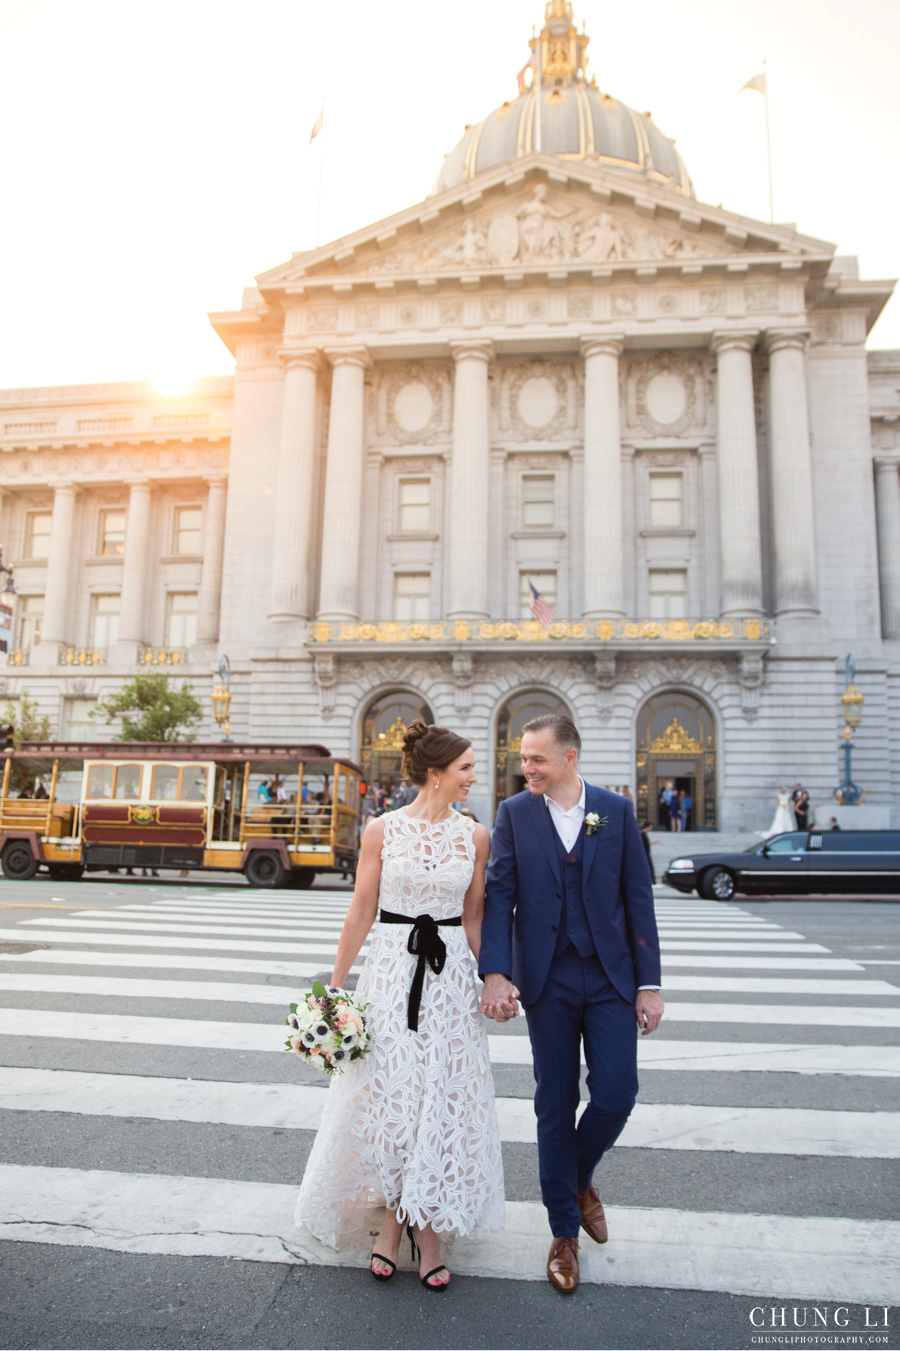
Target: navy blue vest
{"x": 573, "y": 920}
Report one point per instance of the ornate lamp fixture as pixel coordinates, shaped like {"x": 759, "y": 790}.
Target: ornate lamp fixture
{"x": 850, "y": 794}
{"x": 221, "y": 698}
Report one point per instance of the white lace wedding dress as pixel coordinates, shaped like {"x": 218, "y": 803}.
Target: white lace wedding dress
{"x": 414, "y": 1122}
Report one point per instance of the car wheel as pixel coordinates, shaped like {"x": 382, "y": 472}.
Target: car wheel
{"x": 18, "y": 862}
{"x": 264, "y": 869}
{"x": 718, "y": 885}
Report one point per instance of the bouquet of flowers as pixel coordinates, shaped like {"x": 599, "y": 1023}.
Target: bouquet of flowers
{"x": 328, "y": 1029}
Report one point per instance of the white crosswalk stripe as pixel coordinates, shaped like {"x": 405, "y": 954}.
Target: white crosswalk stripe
{"x": 728, "y": 975}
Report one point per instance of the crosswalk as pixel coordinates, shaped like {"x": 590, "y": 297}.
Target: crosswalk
{"x": 167, "y": 1008}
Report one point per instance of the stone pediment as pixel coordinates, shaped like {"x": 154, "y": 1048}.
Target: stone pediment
{"x": 538, "y": 221}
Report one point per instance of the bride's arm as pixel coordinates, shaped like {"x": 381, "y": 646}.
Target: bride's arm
{"x": 364, "y": 906}
{"x": 473, "y": 905}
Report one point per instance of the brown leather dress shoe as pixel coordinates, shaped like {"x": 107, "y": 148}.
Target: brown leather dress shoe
{"x": 593, "y": 1221}
{"x": 562, "y": 1264}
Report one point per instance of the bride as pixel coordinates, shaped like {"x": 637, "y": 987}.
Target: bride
{"x": 784, "y": 814}
{"x": 414, "y": 1121}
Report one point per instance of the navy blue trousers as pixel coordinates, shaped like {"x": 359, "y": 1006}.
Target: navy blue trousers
{"x": 579, "y": 1003}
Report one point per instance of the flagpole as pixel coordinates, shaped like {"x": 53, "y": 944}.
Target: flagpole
{"x": 321, "y": 159}
{"x": 537, "y": 74}
{"x": 768, "y": 145}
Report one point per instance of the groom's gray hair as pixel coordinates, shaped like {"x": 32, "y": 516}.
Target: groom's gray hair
{"x": 565, "y": 733}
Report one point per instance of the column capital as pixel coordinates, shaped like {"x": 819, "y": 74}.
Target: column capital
{"x": 349, "y": 356}
{"x": 730, "y": 340}
{"x": 478, "y": 349}
{"x": 65, "y": 486}
{"x": 777, "y": 339}
{"x": 886, "y": 464}
{"x": 139, "y": 482}
{"x": 310, "y": 358}
{"x": 216, "y": 480}
{"x": 607, "y": 344}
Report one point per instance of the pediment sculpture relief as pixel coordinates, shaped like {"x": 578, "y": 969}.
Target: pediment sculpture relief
{"x": 541, "y": 230}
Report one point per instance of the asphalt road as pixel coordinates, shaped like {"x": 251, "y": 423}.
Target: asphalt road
{"x": 152, "y": 1136}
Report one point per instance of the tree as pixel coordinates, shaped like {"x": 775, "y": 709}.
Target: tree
{"x": 151, "y": 709}
{"x": 28, "y": 724}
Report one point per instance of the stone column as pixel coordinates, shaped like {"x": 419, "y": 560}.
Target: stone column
{"x": 57, "y": 611}
{"x": 209, "y": 601}
{"x": 469, "y": 542}
{"x": 603, "y": 543}
{"x": 740, "y": 556}
{"x": 887, "y": 512}
{"x": 793, "y": 520}
{"x": 294, "y": 505}
{"x": 134, "y": 564}
{"x": 339, "y": 585}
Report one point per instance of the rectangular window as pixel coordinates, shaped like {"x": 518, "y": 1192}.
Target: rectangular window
{"x": 538, "y": 501}
{"x": 29, "y": 613}
{"x": 666, "y": 501}
{"x": 37, "y": 534}
{"x": 111, "y": 543}
{"x": 181, "y": 619}
{"x": 194, "y": 781}
{"x": 128, "y": 781}
{"x": 164, "y": 786}
{"x": 414, "y": 506}
{"x": 188, "y": 535}
{"x": 78, "y": 725}
{"x": 668, "y": 593}
{"x": 105, "y": 621}
{"x": 100, "y": 781}
{"x": 412, "y": 595}
{"x": 544, "y": 582}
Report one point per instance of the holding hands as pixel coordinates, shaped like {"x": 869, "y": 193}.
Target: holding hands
{"x": 499, "y": 998}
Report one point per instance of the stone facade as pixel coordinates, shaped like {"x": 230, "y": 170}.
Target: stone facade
{"x": 663, "y": 414}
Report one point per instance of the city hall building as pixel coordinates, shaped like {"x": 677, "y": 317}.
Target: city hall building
{"x": 559, "y": 371}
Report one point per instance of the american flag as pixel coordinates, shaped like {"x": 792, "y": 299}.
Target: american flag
{"x": 543, "y": 613}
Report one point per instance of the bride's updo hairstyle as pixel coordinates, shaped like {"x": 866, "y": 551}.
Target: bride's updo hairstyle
{"x": 427, "y": 748}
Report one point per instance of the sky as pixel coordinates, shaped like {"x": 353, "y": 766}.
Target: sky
{"x": 156, "y": 152}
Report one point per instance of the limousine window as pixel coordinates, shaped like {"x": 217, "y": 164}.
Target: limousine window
{"x": 788, "y": 844}
{"x": 861, "y": 841}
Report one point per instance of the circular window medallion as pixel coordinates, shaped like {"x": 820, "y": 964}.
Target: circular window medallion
{"x": 413, "y": 406}
{"x": 666, "y": 398}
{"x": 538, "y": 401}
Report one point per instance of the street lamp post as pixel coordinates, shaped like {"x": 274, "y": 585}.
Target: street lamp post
{"x": 850, "y": 794}
{"x": 221, "y": 698}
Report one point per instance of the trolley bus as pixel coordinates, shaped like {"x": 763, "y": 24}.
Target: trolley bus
{"x": 279, "y": 814}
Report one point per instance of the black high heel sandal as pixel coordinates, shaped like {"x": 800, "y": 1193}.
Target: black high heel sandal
{"x": 381, "y": 1275}
{"x": 416, "y": 1254}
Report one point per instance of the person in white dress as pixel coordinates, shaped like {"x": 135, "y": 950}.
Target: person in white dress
{"x": 784, "y": 814}
{"x": 413, "y": 1124}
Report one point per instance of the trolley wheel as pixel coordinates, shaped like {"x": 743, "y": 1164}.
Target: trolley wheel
{"x": 264, "y": 868}
{"x": 301, "y": 879}
{"x": 18, "y": 862}
{"x": 66, "y": 872}
{"x": 717, "y": 885}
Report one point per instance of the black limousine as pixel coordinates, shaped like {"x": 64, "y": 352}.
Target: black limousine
{"x": 800, "y": 863}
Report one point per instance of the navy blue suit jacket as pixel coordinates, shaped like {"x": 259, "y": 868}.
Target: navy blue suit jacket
{"x": 524, "y": 895}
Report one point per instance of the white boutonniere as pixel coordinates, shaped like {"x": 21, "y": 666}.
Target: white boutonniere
{"x": 593, "y": 822}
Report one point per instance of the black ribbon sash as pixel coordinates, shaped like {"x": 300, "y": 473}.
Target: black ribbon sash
{"x": 425, "y": 943}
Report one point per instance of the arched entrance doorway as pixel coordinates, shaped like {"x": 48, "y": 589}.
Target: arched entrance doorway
{"x": 514, "y": 714}
{"x": 381, "y": 737}
{"x": 676, "y": 743}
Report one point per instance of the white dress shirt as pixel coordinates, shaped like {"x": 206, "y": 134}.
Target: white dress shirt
{"x": 567, "y": 825}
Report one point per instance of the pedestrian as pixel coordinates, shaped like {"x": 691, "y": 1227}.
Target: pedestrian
{"x": 675, "y": 809}
{"x": 671, "y": 804}
{"x": 834, "y": 824}
{"x": 662, "y": 807}
{"x": 646, "y": 841}
{"x": 566, "y": 850}
{"x": 686, "y": 805}
{"x": 801, "y": 810}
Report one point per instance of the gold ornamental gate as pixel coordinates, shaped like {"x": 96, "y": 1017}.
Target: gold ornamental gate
{"x": 508, "y": 777}
{"x": 381, "y": 740}
{"x": 676, "y": 744}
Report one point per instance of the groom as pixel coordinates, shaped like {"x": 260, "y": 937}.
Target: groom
{"x": 569, "y": 919}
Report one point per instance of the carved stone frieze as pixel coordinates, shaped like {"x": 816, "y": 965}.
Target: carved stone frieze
{"x": 536, "y": 400}
{"x": 321, "y": 318}
{"x": 325, "y": 671}
{"x": 463, "y": 679}
{"x": 605, "y": 680}
{"x": 826, "y": 328}
{"x": 367, "y": 315}
{"x": 712, "y": 301}
{"x": 665, "y": 394}
{"x": 544, "y": 228}
{"x": 493, "y": 309}
{"x": 751, "y": 674}
{"x": 760, "y": 298}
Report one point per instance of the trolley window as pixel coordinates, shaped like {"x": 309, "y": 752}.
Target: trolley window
{"x": 165, "y": 783}
{"x": 100, "y": 781}
{"x": 128, "y": 781}
{"x": 194, "y": 780}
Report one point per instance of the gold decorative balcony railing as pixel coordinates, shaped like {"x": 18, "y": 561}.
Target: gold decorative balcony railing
{"x": 162, "y": 656}
{"x": 19, "y": 656}
{"x": 561, "y": 631}
{"x": 82, "y": 656}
